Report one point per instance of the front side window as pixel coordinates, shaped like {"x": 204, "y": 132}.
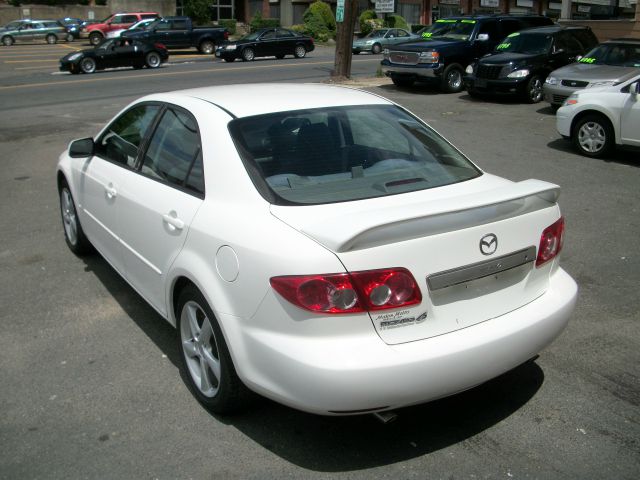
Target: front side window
{"x": 174, "y": 153}
{"x": 345, "y": 153}
{"x": 121, "y": 140}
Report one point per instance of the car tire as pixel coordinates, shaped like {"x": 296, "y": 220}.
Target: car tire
{"x": 88, "y": 65}
{"x": 207, "y": 47}
{"x": 205, "y": 361}
{"x": 402, "y": 81}
{"x": 95, "y": 38}
{"x": 248, "y": 55}
{"x": 452, "y": 79}
{"x": 533, "y": 89}
{"x": 73, "y": 234}
{"x": 300, "y": 51}
{"x": 70, "y": 37}
{"x": 152, "y": 60}
{"x": 7, "y": 41}
{"x": 51, "y": 39}
{"x": 376, "y": 48}
{"x": 593, "y": 135}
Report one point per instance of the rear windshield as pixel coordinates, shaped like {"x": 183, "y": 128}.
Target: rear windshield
{"x": 528, "y": 43}
{"x": 341, "y": 154}
{"x": 618, "y": 54}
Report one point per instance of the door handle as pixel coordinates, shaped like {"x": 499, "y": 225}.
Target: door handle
{"x": 110, "y": 191}
{"x": 173, "y": 221}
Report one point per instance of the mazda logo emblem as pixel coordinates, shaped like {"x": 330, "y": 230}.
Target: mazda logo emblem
{"x": 488, "y": 244}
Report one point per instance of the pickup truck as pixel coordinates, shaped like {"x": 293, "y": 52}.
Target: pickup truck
{"x": 98, "y": 31}
{"x": 448, "y": 46}
{"x": 179, "y": 32}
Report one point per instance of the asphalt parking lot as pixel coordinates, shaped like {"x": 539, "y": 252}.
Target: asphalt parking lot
{"x": 90, "y": 387}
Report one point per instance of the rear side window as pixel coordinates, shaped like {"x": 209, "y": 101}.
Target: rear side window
{"x": 342, "y": 154}
{"x": 174, "y": 153}
{"x": 121, "y": 141}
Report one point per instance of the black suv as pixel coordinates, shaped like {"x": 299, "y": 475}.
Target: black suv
{"x": 449, "y": 45}
{"x": 520, "y": 64}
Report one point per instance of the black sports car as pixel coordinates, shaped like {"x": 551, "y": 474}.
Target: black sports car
{"x": 266, "y": 42}
{"x": 115, "y": 52}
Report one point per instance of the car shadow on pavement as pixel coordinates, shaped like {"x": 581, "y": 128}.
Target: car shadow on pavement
{"x": 338, "y": 444}
{"x": 159, "y": 331}
{"x": 624, "y": 156}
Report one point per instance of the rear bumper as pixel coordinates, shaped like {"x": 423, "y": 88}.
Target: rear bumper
{"x": 354, "y": 374}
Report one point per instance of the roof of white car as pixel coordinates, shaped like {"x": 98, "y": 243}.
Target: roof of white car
{"x": 260, "y": 98}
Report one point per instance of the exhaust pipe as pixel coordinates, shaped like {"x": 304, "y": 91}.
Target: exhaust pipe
{"x": 385, "y": 417}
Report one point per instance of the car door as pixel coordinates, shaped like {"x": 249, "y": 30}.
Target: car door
{"x": 157, "y": 208}
{"x": 123, "y": 53}
{"x": 267, "y": 44}
{"x": 178, "y": 35}
{"x": 401, "y": 36}
{"x": 630, "y": 117}
{"x": 105, "y": 54}
{"x": 286, "y": 42}
{"x": 104, "y": 176}
{"x": 26, "y": 33}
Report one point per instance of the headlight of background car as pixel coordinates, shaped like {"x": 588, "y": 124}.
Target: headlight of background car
{"x": 469, "y": 68}
{"x": 551, "y": 81}
{"x": 385, "y": 54}
{"x": 75, "y": 56}
{"x": 230, "y": 47}
{"x": 429, "y": 57}
{"x": 601, "y": 84}
{"x": 519, "y": 73}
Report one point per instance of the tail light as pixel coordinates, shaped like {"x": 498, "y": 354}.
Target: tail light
{"x": 350, "y": 292}
{"x": 550, "y": 242}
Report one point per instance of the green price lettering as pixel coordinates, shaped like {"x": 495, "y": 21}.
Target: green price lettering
{"x": 587, "y": 60}
{"x": 446, "y": 21}
{"x": 427, "y": 35}
{"x": 513, "y": 35}
{"x": 503, "y": 46}
{"x": 468, "y": 21}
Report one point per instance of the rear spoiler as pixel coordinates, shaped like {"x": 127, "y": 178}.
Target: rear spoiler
{"x": 381, "y": 226}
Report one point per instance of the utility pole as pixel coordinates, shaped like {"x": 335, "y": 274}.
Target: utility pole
{"x": 345, "y": 19}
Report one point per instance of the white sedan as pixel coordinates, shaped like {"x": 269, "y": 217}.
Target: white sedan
{"x": 306, "y": 256}
{"x": 597, "y": 119}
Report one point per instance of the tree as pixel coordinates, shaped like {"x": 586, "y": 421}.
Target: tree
{"x": 198, "y": 10}
{"x": 344, "y": 41}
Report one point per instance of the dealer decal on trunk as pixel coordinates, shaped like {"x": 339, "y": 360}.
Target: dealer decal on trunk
{"x": 399, "y": 319}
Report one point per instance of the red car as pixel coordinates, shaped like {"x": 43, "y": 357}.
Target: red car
{"x": 98, "y": 31}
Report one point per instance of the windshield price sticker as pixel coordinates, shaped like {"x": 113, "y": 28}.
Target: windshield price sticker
{"x": 446, "y": 21}
{"x": 513, "y": 35}
{"x": 503, "y": 46}
{"x": 587, "y": 60}
{"x": 427, "y": 35}
{"x": 468, "y": 21}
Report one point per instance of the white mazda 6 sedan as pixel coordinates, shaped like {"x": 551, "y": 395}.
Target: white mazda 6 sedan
{"x": 318, "y": 245}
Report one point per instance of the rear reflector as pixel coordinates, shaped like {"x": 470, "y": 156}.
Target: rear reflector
{"x": 350, "y": 292}
{"x": 550, "y": 242}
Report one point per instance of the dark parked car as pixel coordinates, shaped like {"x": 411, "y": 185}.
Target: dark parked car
{"x": 73, "y": 26}
{"x": 448, "y": 46}
{"x": 521, "y": 63}
{"x": 179, "y": 32}
{"x": 115, "y": 52}
{"x": 266, "y": 42}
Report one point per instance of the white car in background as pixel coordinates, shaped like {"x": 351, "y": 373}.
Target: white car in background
{"x": 136, "y": 26}
{"x": 305, "y": 256}
{"x": 599, "y": 118}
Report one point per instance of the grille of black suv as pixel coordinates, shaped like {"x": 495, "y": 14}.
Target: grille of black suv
{"x": 404, "y": 58}
{"x": 489, "y": 71}
{"x": 574, "y": 83}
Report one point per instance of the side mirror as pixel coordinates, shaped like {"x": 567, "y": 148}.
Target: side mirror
{"x": 482, "y": 37}
{"x": 81, "y": 148}
{"x": 634, "y": 88}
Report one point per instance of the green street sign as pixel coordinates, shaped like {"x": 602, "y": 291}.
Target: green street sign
{"x": 340, "y": 13}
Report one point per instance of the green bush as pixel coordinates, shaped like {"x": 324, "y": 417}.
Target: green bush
{"x": 323, "y": 10}
{"x": 319, "y": 21}
{"x": 198, "y": 10}
{"x": 395, "y": 21}
{"x": 257, "y": 22}
{"x": 369, "y": 21}
{"x": 229, "y": 24}
{"x": 15, "y": 3}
